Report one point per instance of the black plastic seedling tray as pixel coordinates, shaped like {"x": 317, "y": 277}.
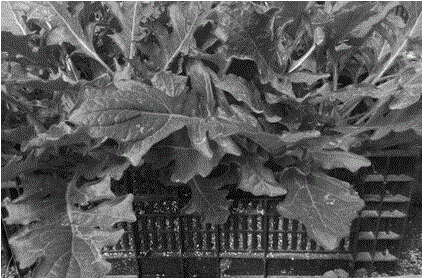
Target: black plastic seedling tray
{"x": 258, "y": 242}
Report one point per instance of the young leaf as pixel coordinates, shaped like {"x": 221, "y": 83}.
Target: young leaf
{"x": 76, "y": 34}
{"x": 385, "y": 120}
{"x": 207, "y": 200}
{"x": 340, "y": 23}
{"x": 185, "y": 18}
{"x": 171, "y": 84}
{"x": 259, "y": 180}
{"x": 306, "y": 77}
{"x": 324, "y": 204}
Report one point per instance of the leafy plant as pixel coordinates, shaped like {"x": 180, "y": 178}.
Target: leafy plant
{"x": 263, "y": 97}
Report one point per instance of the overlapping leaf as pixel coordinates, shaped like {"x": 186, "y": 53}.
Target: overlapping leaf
{"x": 409, "y": 32}
{"x": 338, "y": 159}
{"x": 138, "y": 116}
{"x": 189, "y": 162}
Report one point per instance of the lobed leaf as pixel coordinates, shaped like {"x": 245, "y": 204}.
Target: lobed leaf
{"x": 69, "y": 243}
{"x": 207, "y": 200}
{"x": 324, "y": 204}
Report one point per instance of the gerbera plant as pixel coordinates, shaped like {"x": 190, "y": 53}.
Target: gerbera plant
{"x": 278, "y": 92}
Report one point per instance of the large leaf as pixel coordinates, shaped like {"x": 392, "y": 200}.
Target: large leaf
{"x": 11, "y": 19}
{"x": 207, "y": 200}
{"x": 324, "y": 204}
{"x": 138, "y": 116}
{"x": 69, "y": 243}
{"x": 258, "y": 179}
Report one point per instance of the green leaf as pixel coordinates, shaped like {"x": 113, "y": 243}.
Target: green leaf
{"x": 275, "y": 143}
{"x": 324, "y": 204}
{"x": 72, "y": 32}
{"x": 208, "y": 201}
{"x": 366, "y": 26}
{"x": 189, "y": 162}
{"x": 93, "y": 191}
{"x": 16, "y": 166}
{"x": 171, "y": 84}
{"x": 259, "y": 180}
{"x": 306, "y": 77}
{"x": 18, "y": 134}
{"x": 341, "y": 22}
{"x": 57, "y": 136}
{"x": 385, "y": 120}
